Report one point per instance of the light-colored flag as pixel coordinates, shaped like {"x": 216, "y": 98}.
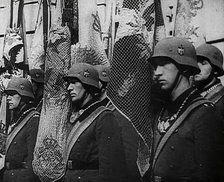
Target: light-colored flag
{"x": 37, "y": 51}
{"x": 190, "y": 21}
{"x": 90, "y": 34}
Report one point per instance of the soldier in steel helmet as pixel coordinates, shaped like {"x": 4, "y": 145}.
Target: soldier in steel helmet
{"x": 22, "y": 132}
{"x": 94, "y": 143}
{"x": 210, "y": 62}
{"x": 187, "y": 145}
{"x": 37, "y": 78}
{"x": 104, "y": 74}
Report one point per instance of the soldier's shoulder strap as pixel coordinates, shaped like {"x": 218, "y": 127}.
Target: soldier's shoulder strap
{"x": 216, "y": 94}
{"x": 176, "y": 124}
{"x": 80, "y": 127}
{"x": 16, "y": 130}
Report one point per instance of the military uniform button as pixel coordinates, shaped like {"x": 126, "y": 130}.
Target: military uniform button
{"x": 171, "y": 166}
{"x": 200, "y": 165}
{"x": 12, "y": 174}
{"x": 78, "y": 140}
{"x": 172, "y": 147}
{"x": 14, "y": 142}
{"x": 79, "y": 177}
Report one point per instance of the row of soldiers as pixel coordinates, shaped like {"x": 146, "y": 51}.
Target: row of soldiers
{"x": 188, "y": 105}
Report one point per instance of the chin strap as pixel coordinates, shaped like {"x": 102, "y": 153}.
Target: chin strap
{"x": 175, "y": 83}
{"x": 203, "y": 85}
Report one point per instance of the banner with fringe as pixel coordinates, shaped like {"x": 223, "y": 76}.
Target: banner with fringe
{"x": 90, "y": 34}
{"x": 49, "y": 155}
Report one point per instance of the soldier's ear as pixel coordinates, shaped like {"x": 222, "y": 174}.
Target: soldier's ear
{"x": 215, "y": 72}
{"x": 205, "y": 62}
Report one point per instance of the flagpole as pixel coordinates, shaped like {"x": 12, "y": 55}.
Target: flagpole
{"x": 22, "y": 27}
{"x": 45, "y": 23}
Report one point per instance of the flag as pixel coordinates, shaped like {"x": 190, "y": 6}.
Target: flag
{"x": 190, "y": 21}
{"x": 131, "y": 74}
{"x": 23, "y": 63}
{"x": 49, "y": 162}
{"x": 159, "y": 22}
{"x": 90, "y": 35}
{"x": 37, "y": 49}
{"x": 4, "y": 117}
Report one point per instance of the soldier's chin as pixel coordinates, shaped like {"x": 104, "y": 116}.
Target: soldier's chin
{"x": 164, "y": 87}
{"x": 198, "y": 78}
{"x": 11, "y": 107}
{"x": 76, "y": 100}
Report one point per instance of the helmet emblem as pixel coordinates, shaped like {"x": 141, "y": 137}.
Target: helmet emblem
{"x": 86, "y": 73}
{"x": 180, "y": 50}
{"x": 21, "y": 86}
{"x": 37, "y": 75}
{"x": 104, "y": 73}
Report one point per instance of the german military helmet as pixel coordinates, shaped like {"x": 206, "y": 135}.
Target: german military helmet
{"x": 180, "y": 50}
{"x": 86, "y": 73}
{"x": 37, "y": 75}
{"x": 21, "y": 85}
{"x": 104, "y": 72}
{"x": 213, "y": 54}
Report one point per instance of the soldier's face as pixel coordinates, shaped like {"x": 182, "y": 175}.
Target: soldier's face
{"x": 165, "y": 74}
{"x": 206, "y": 70}
{"x": 13, "y": 100}
{"x": 76, "y": 91}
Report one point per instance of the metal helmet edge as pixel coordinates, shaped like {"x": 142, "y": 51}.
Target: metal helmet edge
{"x": 213, "y": 54}
{"x": 86, "y": 73}
{"x": 104, "y": 72}
{"x": 180, "y": 50}
{"x": 21, "y": 85}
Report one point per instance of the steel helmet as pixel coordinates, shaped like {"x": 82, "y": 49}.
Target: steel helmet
{"x": 86, "y": 73}
{"x": 104, "y": 72}
{"x": 21, "y": 85}
{"x": 37, "y": 75}
{"x": 180, "y": 50}
{"x": 213, "y": 54}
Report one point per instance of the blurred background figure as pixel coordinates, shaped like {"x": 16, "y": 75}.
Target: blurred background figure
{"x": 104, "y": 73}
{"x": 37, "y": 78}
{"x": 210, "y": 61}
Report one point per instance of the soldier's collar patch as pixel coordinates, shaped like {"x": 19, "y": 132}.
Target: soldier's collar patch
{"x": 180, "y": 50}
{"x": 86, "y": 73}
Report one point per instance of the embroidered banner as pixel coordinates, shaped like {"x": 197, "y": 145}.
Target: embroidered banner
{"x": 190, "y": 22}
{"x": 49, "y": 155}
